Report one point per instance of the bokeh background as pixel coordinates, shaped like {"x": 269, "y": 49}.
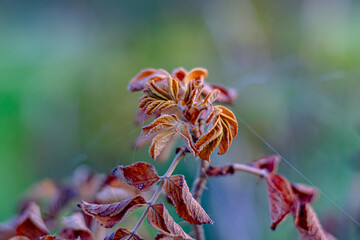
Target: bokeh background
{"x": 65, "y": 66}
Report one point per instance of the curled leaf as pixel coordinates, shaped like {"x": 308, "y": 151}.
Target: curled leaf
{"x": 139, "y": 81}
{"x": 195, "y": 74}
{"x": 281, "y": 198}
{"x": 141, "y": 175}
{"x": 186, "y": 206}
{"x": 308, "y": 224}
{"x": 270, "y": 163}
{"x": 226, "y": 95}
{"x": 122, "y": 234}
{"x": 159, "y": 142}
{"x": 160, "y": 219}
{"x": 30, "y": 223}
{"x": 304, "y": 193}
{"x": 110, "y": 214}
{"x": 75, "y": 227}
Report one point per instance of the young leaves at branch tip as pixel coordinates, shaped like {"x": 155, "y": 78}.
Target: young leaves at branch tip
{"x": 177, "y": 100}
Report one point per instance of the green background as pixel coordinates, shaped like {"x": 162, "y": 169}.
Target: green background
{"x": 65, "y": 67}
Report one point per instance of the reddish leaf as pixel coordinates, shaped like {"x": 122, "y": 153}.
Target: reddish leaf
{"x": 19, "y": 238}
{"x": 7, "y": 230}
{"x": 122, "y": 234}
{"x": 110, "y": 214}
{"x": 139, "y": 81}
{"x": 304, "y": 193}
{"x": 270, "y": 163}
{"x": 160, "y": 219}
{"x": 142, "y": 175}
{"x": 308, "y": 224}
{"x": 186, "y": 206}
{"x": 75, "y": 227}
{"x": 214, "y": 171}
{"x": 281, "y": 198}
{"x": 227, "y": 95}
{"x": 30, "y": 223}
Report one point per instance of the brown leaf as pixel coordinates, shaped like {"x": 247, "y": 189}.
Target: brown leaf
{"x": 122, "y": 234}
{"x": 141, "y": 175}
{"x": 160, "y": 219}
{"x": 281, "y": 198}
{"x": 139, "y": 81}
{"x": 304, "y": 193}
{"x": 19, "y": 238}
{"x": 208, "y": 149}
{"x": 75, "y": 227}
{"x": 270, "y": 163}
{"x": 195, "y": 74}
{"x": 30, "y": 223}
{"x": 308, "y": 224}
{"x": 183, "y": 130}
{"x": 186, "y": 206}
{"x": 179, "y": 73}
{"x": 110, "y": 214}
{"x": 159, "y": 142}
{"x": 162, "y": 123}
{"x": 226, "y": 96}
{"x": 214, "y": 171}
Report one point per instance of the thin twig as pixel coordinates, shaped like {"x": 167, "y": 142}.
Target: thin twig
{"x": 156, "y": 195}
{"x": 249, "y": 169}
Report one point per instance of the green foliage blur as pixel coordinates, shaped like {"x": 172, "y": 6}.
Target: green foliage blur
{"x": 65, "y": 66}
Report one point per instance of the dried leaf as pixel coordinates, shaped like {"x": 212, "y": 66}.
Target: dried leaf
{"x": 229, "y": 116}
{"x": 179, "y": 73}
{"x": 141, "y": 175}
{"x": 270, "y": 163}
{"x": 183, "y": 130}
{"x": 160, "y": 219}
{"x": 139, "y": 81}
{"x": 7, "y": 229}
{"x": 110, "y": 214}
{"x": 30, "y": 223}
{"x": 122, "y": 234}
{"x": 195, "y": 74}
{"x": 162, "y": 123}
{"x": 304, "y": 193}
{"x": 75, "y": 227}
{"x": 208, "y": 149}
{"x": 159, "y": 142}
{"x": 186, "y": 206}
{"x": 281, "y": 198}
{"x": 19, "y": 238}
{"x": 308, "y": 224}
{"x": 214, "y": 171}
{"x": 226, "y": 96}
{"x": 212, "y": 134}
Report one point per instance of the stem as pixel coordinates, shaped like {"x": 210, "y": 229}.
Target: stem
{"x": 157, "y": 193}
{"x": 249, "y": 169}
{"x": 197, "y": 190}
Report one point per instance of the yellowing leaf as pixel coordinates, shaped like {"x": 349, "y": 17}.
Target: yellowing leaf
{"x": 186, "y": 206}
{"x": 160, "y": 219}
{"x": 110, "y": 214}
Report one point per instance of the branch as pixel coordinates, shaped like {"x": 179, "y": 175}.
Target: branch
{"x": 214, "y": 171}
{"x": 156, "y": 195}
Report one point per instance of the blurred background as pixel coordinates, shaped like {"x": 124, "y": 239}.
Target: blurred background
{"x": 65, "y": 67}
